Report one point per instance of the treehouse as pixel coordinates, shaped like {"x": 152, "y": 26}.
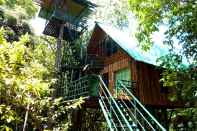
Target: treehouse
{"x": 71, "y": 13}
{"x": 124, "y": 61}
{"x": 124, "y": 83}
{"x": 117, "y": 57}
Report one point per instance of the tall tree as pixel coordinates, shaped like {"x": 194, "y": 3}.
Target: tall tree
{"x": 180, "y": 19}
{"x": 27, "y": 73}
{"x": 178, "y": 15}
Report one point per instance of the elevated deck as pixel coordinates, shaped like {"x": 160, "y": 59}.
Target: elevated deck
{"x": 53, "y": 28}
{"x": 72, "y": 13}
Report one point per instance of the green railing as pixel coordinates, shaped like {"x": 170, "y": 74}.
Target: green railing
{"x": 83, "y": 87}
{"x": 141, "y": 115}
{"x": 120, "y": 114}
{"x": 113, "y": 113}
{"x": 126, "y": 114}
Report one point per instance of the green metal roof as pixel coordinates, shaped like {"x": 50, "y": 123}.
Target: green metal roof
{"x": 129, "y": 45}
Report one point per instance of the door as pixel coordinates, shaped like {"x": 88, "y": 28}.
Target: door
{"x": 123, "y": 75}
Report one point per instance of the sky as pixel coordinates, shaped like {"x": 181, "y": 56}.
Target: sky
{"x": 38, "y": 25}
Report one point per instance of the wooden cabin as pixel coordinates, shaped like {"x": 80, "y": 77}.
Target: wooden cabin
{"x": 123, "y": 60}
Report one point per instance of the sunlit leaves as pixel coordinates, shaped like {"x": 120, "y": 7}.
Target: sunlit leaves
{"x": 5, "y": 128}
{"x": 21, "y": 76}
{"x": 112, "y": 11}
{"x": 23, "y": 9}
{"x": 26, "y": 78}
{"x": 149, "y": 15}
{"x": 179, "y": 16}
{"x": 2, "y": 2}
{"x": 7, "y": 113}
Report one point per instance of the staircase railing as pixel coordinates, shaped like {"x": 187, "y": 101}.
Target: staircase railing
{"x": 124, "y": 114}
{"x": 112, "y": 112}
{"x": 142, "y": 116}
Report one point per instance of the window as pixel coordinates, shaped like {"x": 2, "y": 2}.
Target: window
{"x": 110, "y": 47}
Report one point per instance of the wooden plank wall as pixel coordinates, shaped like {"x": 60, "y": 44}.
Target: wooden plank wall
{"x": 146, "y": 77}
{"x": 114, "y": 63}
{"x": 97, "y": 36}
{"x": 149, "y": 90}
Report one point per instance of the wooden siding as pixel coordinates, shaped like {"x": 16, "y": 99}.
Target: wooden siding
{"x": 114, "y": 63}
{"x": 97, "y": 36}
{"x": 146, "y": 76}
{"x": 149, "y": 90}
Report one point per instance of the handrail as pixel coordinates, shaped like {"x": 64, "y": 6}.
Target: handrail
{"x": 107, "y": 109}
{"x": 133, "y": 115}
{"x": 112, "y": 107}
{"x": 105, "y": 114}
{"x": 139, "y": 103}
{"x": 119, "y": 114}
{"x": 119, "y": 110}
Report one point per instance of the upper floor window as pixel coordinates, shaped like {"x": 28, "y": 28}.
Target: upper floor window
{"x": 110, "y": 47}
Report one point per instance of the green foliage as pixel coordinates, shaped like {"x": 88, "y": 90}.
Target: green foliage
{"x": 180, "y": 77}
{"x": 14, "y": 16}
{"x": 13, "y": 27}
{"x": 91, "y": 119}
{"x": 27, "y": 77}
{"x": 179, "y": 16}
{"x": 180, "y": 19}
{"x": 183, "y": 118}
{"x": 23, "y": 9}
{"x": 111, "y": 11}
{"x": 21, "y": 77}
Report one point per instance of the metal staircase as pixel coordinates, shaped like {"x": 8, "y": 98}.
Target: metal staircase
{"x": 121, "y": 114}
{"x": 125, "y": 115}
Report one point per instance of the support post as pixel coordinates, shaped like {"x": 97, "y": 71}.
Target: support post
{"x": 59, "y": 49}
{"x": 58, "y": 59}
{"x": 26, "y": 117}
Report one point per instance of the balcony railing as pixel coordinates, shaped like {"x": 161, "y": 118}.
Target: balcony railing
{"x": 83, "y": 87}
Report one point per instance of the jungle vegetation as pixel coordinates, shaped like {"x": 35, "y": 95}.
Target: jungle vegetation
{"x": 27, "y": 77}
